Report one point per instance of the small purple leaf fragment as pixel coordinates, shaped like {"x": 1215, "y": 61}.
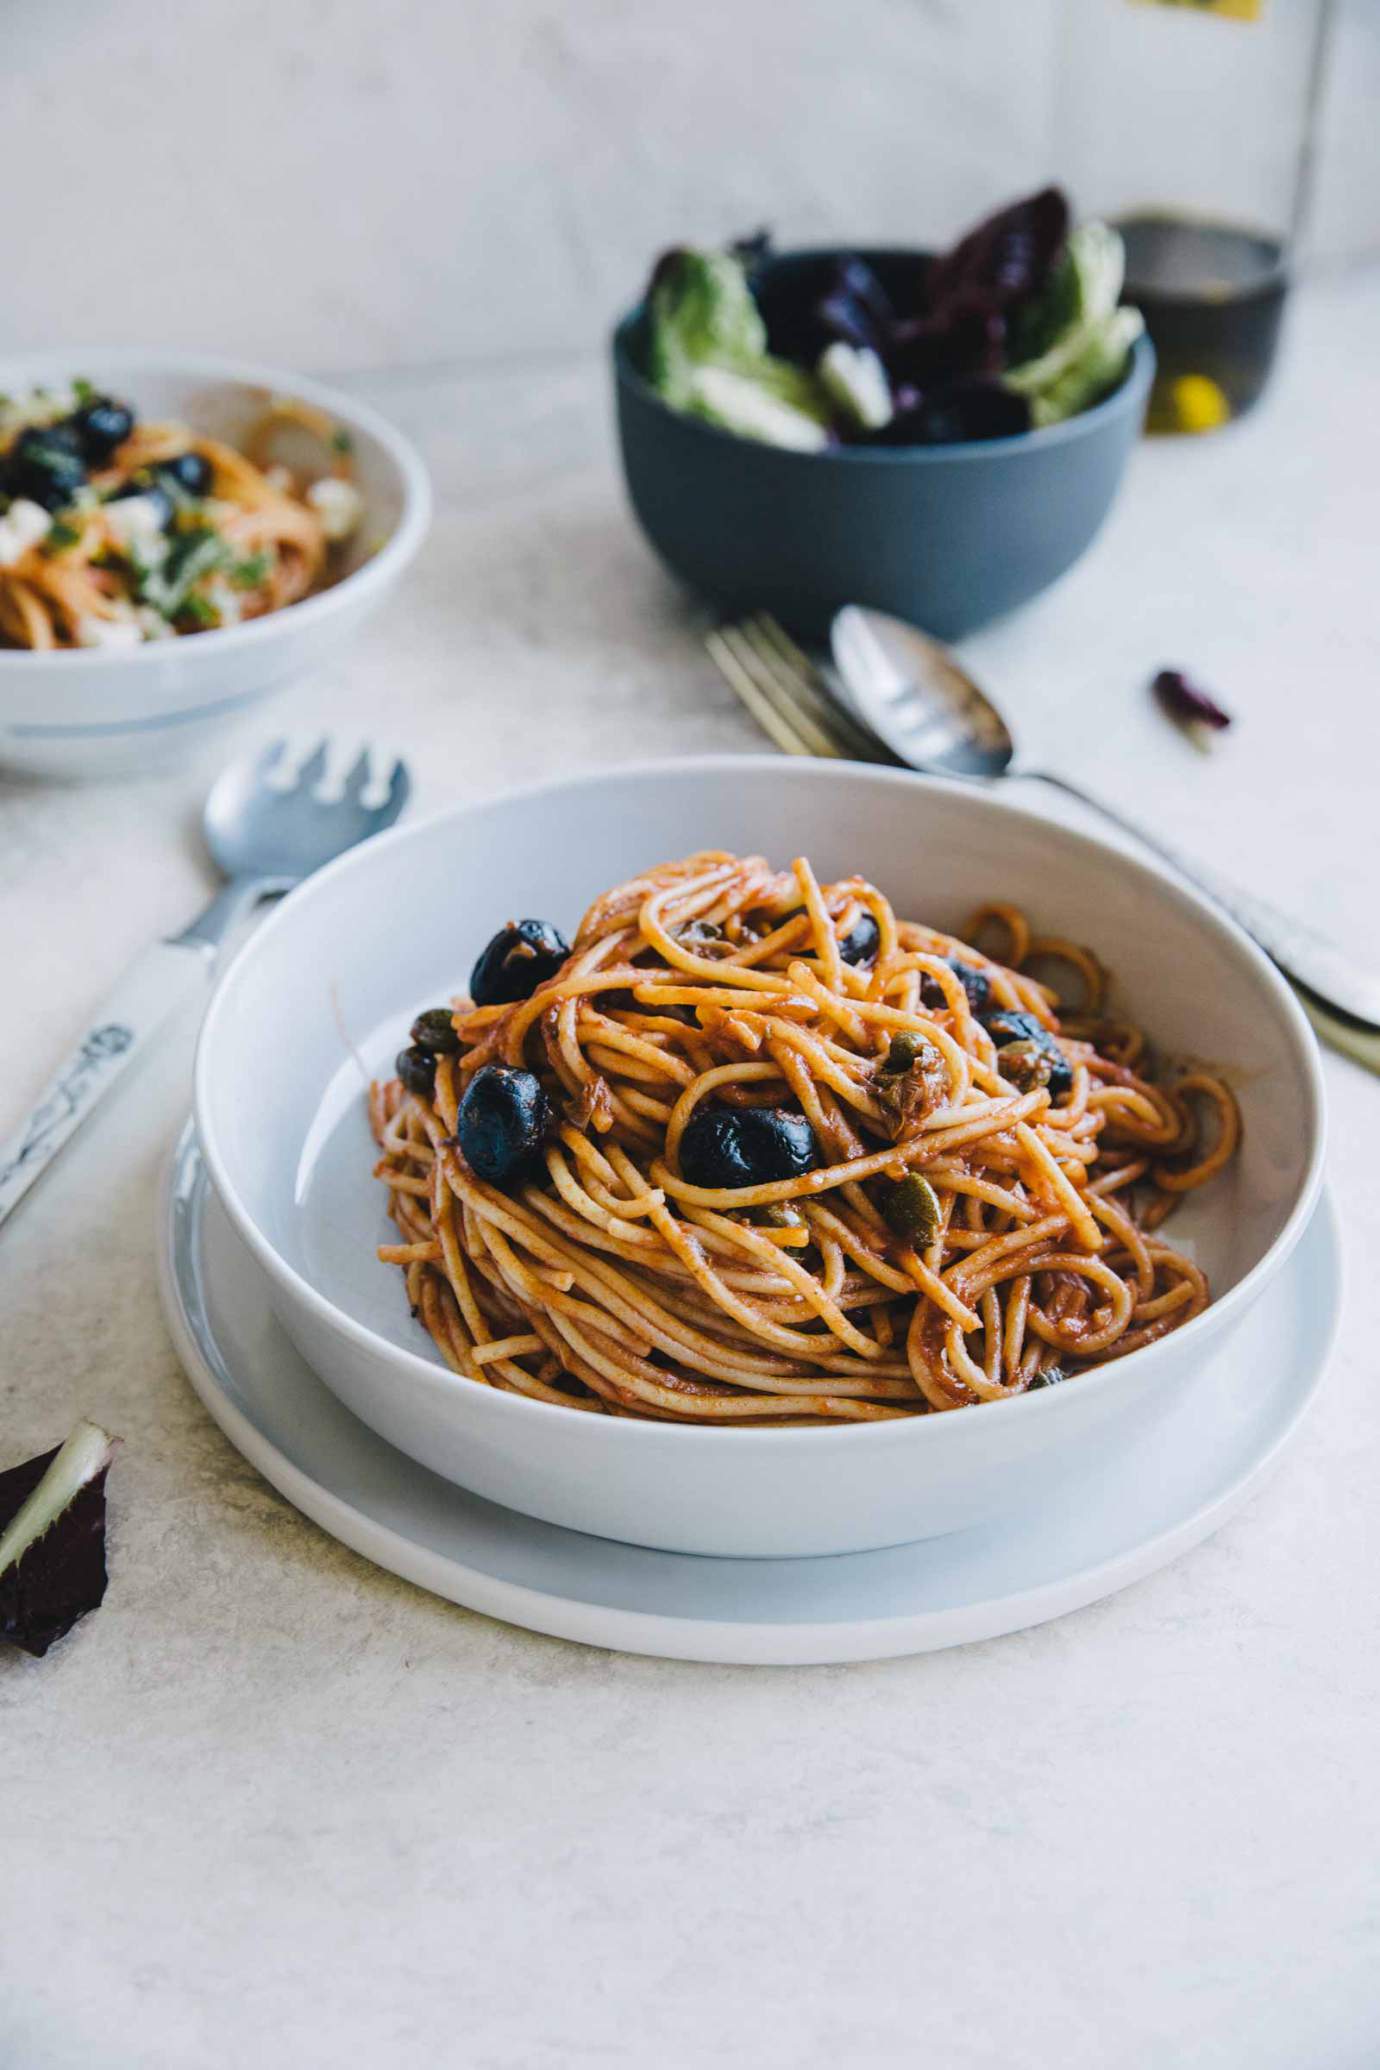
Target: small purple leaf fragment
{"x": 1186, "y": 703}
{"x": 52, "y": 1539}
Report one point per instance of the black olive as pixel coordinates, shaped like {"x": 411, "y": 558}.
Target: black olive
{"x": 45, "y": 465}
{"x": 143, "y": 484}
{"x": 974, "y": 982}
{"x": 860, "y": 943}
{"x": 1008, "y": 1024}
{"x": 746, "y": 1146}
{"x": 502, "y": 1120}
{"x": 188, "y": 471}
{"x": 417, "y": 1070}
{"x": 434, "y": 1031}
{"x": 520, "y": 957}
{"x": 911, "y": 1208}
{"x": 101, "y": 424}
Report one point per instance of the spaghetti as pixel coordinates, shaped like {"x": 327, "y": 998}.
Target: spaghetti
{"x": 979, "y": 1216}
{"x": 113, "y": 533}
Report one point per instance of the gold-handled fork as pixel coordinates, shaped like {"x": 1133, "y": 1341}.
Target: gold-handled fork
{"x": 787, "y": 693}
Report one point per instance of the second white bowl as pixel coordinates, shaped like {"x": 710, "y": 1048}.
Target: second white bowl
{"x": 97, "y": 712}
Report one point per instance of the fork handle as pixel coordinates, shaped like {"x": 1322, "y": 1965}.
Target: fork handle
{"x": 154, "y": 985}
{"x": 1318, "y": 966}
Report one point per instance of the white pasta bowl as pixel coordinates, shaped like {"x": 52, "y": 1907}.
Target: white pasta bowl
{"x": 323, "y": 994}
{"x": 103, "y": 712}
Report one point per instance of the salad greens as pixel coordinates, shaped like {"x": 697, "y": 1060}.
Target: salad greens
{"x": 1018, "y": 326}
{"x": 709, "y": 355}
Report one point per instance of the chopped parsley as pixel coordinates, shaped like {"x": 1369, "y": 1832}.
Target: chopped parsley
{"x": 251, "y": 573}
{"x": 191, "y": 555}
{"x": 83, "y": 391}
{"x": 60, "y": 537}
{"x": 199, "y": 612}
{"x": 341, "y": 441}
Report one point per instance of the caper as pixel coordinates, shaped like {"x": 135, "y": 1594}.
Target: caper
{"x": 1050, "y": 1377}
{"x": 1008, "y": 1025}
{"x": 417, "y": 1070}
{"x": 1025, "y": 1064}
{"x": 906, "y": 1048}
{"x": 911, "y": 1208}
{"x": 779, "y": 1214}
{"x": 434, "y": 1030}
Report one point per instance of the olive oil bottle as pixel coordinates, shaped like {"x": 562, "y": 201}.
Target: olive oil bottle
{"x": 1190, "y": 124}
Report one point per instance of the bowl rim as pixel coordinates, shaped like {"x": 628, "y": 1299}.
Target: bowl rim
{"x": 1051, "y": 1402}
{"x": 376, "y": 572}
{"x": 1131, "y": 393}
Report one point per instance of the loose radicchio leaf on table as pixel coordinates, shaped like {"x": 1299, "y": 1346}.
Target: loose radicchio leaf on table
{"x": 1186, "y": 703}
{"x": 52, "y": 1539}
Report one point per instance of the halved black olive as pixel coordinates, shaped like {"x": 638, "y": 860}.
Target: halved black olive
{"x": 861, "y": 942}
{"x": 101, "y": 424}
{"x": 521, "y": 956}
{"x": 746, "y": 1146}
{"x": 1009, "y": 1024}
{"x": 190, "y": 472}
{"x": 974, "y": 982}
{"x": 434, "y": 1030}
{"x": 45, "y": 465}
{"x": 417, "y": 1070}
{"x": 503, "y": 1118}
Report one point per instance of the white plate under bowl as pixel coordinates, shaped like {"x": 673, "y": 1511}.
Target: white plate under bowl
{"x": 331, "y": 981}
{"x": 1144, "y": 1508}
{"x": 98, "y": 712}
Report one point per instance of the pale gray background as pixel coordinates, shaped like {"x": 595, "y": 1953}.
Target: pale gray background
{"x": 272, "y": 1809}
{"x": 354, "y": 184}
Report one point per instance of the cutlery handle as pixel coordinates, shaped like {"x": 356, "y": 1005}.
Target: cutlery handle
{"x": 161, "y": 978}
{"x": 1334, "y": 980}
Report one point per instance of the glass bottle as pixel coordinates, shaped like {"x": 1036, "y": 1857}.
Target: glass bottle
{"x": 1189, "y": 124}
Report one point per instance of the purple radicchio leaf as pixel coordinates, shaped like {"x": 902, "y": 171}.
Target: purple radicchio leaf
{"x": 52, "y": 1539}
{"x": 1006, "y": 258}
{"x": 1186, "y": 703}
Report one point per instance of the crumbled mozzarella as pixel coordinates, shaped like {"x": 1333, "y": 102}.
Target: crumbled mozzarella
{"x": 152, "y": 624}
{"x": 22, "y": 526}
{"x": 279, "y": 477}
{"x": 338, "y": 504}
{"x": 137, "y": 521}
{"x": 857, "y": 381}
{"x": 108, "y": 632}
{"x": 223, "y": 601}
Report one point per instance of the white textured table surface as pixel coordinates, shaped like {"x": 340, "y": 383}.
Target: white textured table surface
{"x": 273, "y": 1807}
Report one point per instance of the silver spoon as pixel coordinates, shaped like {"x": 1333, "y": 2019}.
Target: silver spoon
{"x": 927, "y": 709}
{"x": 265, "y": 834}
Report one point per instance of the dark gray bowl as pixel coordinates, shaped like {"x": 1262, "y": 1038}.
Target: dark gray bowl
{"x": 946, "y": 536}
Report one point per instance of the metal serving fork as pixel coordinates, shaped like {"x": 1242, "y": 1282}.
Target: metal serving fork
{"x": 798, "y": 706}
{"x": 266, "y": 830}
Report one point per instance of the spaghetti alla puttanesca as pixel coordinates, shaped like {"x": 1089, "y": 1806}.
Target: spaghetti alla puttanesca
{"x": 753, "y": 1149}
{"x": 113, "y": 533}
